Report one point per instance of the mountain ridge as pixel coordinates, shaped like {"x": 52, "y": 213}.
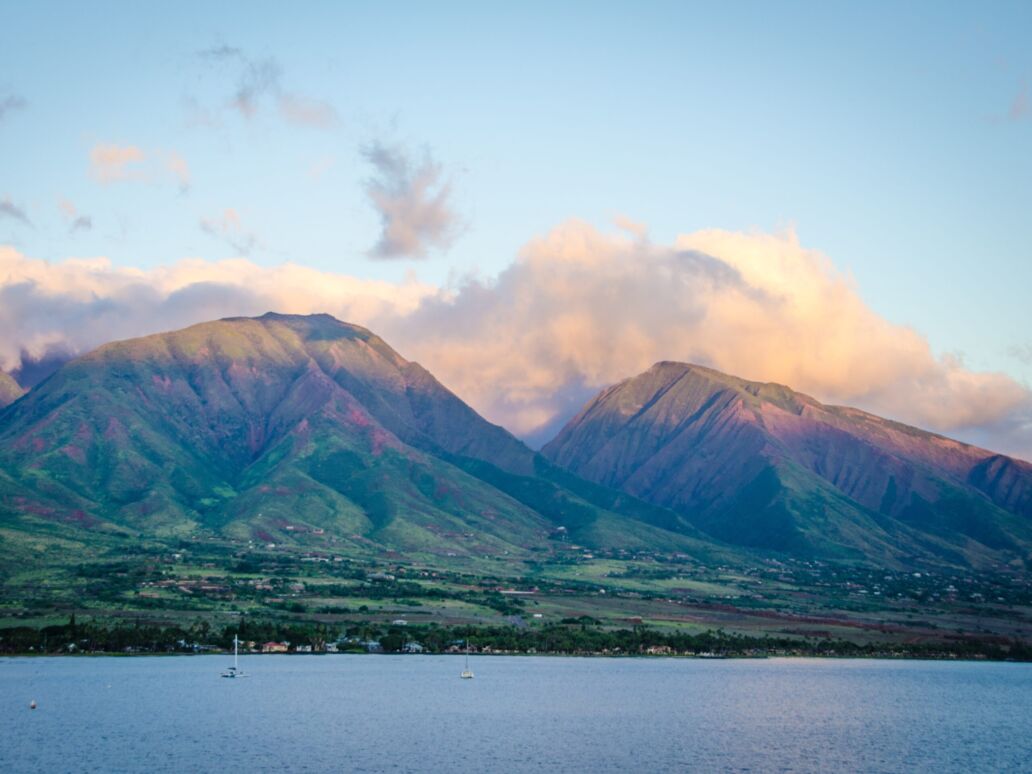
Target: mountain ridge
{"x": 248, "y": 426}
{"x": 721, "y": 449}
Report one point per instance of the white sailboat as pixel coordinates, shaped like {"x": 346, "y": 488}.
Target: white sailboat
{"x": 234, "y": 671}
{"x": 467, "y": 673}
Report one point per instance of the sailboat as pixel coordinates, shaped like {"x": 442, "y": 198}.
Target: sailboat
{"x": 467, "y": 673}
{"x": 234, "y": 671}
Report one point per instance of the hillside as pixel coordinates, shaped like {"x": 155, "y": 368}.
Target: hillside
{"x": 289, "y": 429}
{"x": 763, "y": 466}
{"x": 10, "y": 390}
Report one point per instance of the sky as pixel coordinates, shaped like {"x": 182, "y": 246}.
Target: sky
{"x": 536, "y": 200}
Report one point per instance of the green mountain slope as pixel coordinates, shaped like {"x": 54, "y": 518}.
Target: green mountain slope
{"x": 282, "y": 428}
{"x": 762, "y": 466}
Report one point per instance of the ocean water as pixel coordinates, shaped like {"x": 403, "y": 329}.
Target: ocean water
{"x": 413, "y": 713}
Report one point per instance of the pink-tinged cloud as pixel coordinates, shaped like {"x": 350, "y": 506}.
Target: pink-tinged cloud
{"x": 176, "y": 166}
{"x": 578, "y": 310}
{"x": 303, "y": 111}
{"x": 1019, "y": 108}
{"x": 228, "y": 228}
{"x": 113, "y": 163}
{"x": 413, "y": 200}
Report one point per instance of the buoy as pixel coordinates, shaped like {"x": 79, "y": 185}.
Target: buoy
{"x": 32, "y": 704}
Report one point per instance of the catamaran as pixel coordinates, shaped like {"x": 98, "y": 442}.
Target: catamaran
{"x": 234, "y": 671}
{"x": 467, "y": 673}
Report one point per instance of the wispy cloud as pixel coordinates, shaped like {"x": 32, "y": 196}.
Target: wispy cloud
{"x": 413, "y": 202}
{"x": 179, "y": 169}
{"x": 76, "y": 222}
{"x": 228, "y": 228}
{"x": 1022, "y": 353}
{"x": 10, "y": 103}
{"x": 111, "y": 163}
{"x": 1020, "y": 107}
{"x": 9, "y": 209}
{"x": 260, "y": 80}
{"x": 81, "y": 223}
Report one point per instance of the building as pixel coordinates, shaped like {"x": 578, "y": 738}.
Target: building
{"x": 275, "y": 647}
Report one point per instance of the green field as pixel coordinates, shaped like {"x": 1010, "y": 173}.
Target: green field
{"x": 216, "y": 583}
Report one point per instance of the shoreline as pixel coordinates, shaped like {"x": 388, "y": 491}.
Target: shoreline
{"x": 603, "y": 656}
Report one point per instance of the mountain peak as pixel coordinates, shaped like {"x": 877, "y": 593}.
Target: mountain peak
{"x": 759, "y": 464}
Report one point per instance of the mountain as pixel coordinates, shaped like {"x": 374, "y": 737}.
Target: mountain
{"x": 763, "y": 466}
{"x": 10, "y": 390}
{"x": 281, "y": 428}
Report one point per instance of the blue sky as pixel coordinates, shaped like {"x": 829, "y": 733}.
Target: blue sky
{"x": 894, "y": 138}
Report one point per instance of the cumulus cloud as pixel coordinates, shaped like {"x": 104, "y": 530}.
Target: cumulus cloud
{"x": 228, "y": 228}
{"x": 578, "y": 310}
{"x": 259, "y": 80}
{"x": 10, "y": 103}
{"x": 78, "y": 304}
{"x": 9, "y": 209}
{"x": 412, "y": 200}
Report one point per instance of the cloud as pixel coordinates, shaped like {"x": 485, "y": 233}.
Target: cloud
{"x": 114, "y": 163}
{"x": 11, "y": 103}
{"x": 228, "y": 228}
{"x": 579, "y": 309}
{"x": 9, "y": 209}
{"x": 176, "y": 165}
{"x": 76, "y": 222}
{"x": 412, "y": 201}
{"x": 1020, "y": 106}
{"x": 304, "y": 111}
{"x": 639, "y": 230}
{"x": 78, "y": 304}
{"x": 1022, "y": 353}
{"x": 81, "y": 223}
{"x": 259, "y": 77}
{"x": 110, "y": 163}
{"x": 219, "y": 53}
{"x": 260, "y": 80}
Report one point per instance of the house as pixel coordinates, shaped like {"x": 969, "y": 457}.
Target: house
{"x": 399, "y": 622}
{"x": 373, "y": 646}
{"x": 412, "y": 647}
{"x": 303, "y": 649}
{"x": 332, "y": 647}
{"x": 275, "y": 647}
